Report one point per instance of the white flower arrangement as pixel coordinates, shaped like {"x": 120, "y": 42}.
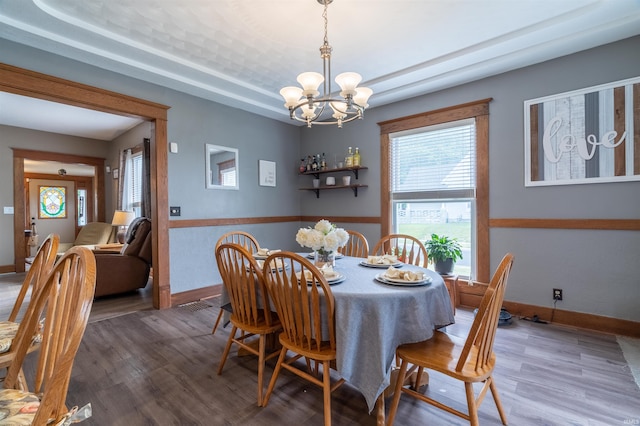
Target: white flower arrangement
{"x": 324, "y": 237}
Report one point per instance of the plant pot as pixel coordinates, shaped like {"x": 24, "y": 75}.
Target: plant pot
{"x": 444, "y": 267}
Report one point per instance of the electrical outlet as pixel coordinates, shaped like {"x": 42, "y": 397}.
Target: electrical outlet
{"x": 557, "y": 294}
{"x": 174, "y": 211}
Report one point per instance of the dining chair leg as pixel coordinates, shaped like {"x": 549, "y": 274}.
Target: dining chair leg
{"x": 471, "y": 403}
{"x": 215, "y": 326}
{"x": 326, "y": 386}
{"x": 397, "y": 391}
{"x": 380, "y": 410}
{"x": 227, "y": 348}
{"x": 496, "y": 398}
{"x": 261, "y": 355}
{"x": 274, "y": 377}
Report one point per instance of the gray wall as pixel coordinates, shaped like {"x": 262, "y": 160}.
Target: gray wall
{"x": 597, "y": 269}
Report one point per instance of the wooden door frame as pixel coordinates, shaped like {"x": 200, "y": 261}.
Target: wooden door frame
{"x": 29, "y": 83}
{"x": 95, "y": 197}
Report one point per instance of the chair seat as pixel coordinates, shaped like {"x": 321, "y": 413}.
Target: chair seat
{"x": 441, "y": 353}
{"x": 261, "y": 327}
{"x": 324, "y": 353}
{"x": 8, "y": 330}
{"x": 17, "y": 407}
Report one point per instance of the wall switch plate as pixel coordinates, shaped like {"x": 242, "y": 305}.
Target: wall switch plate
{"x": 8, "y": 210}
{"x": 173, "y": 147}
{"x": 174, "y": 211}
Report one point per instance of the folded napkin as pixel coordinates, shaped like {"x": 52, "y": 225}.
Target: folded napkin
{"x": 278, "y": 263}
{"x": 398, "y": 274}
{"x": 386, "y": 259}
{"x": 266, "y": 252}
{"x": 327, "y": 272}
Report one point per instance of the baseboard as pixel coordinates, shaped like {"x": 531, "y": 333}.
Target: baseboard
{"x": 470, "y": 296}
{"x": 196, "y": 294}
{"x": 5, "y": 269}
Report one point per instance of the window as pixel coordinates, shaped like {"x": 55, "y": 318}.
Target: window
{"x": 441, "y": 193}
{"x": 433, "y": 183}
{"x": 132, "y": 192}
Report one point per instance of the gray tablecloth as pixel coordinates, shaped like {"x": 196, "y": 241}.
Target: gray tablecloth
{"x": 372, "y": 319}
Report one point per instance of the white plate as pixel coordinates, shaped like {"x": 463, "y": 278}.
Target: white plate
{"x": 312, "y": 255}
{"x": 336, "y": 280}
{"x": 395, "y": 281}
{"x": 380, "y": 265}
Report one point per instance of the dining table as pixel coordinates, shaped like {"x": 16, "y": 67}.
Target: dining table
{"x": 372, "y": 318}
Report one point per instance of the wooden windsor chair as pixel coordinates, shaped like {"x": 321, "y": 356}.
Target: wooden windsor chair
{"x": 251, "y": 309}
{"x": 409, "y": 249}
{"x": 40, "y": 267}
{"x": 248, "y": 242}
{"x": 357, "y": 246}
{"x": 469, "y": 360}
{"x": 74, "y": 277}
{"x": 304, "y": 302}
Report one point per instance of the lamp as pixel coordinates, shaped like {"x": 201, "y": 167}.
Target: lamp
{"x": 122, "y": 219}
{"x": 305, "y": 106}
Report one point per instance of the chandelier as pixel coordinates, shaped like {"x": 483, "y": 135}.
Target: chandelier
{"x": 305, "y": 105}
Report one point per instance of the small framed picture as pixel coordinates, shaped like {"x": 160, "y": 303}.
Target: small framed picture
{"x": 267, "y": 173}
{"x": 116, "y": 173}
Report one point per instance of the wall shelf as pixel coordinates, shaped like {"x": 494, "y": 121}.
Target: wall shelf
{"x": 316, "y": 174}
{"x": 322, "y": 188}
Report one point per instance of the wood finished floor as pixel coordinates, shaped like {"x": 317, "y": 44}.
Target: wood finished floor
{"x": 159, "y": 368}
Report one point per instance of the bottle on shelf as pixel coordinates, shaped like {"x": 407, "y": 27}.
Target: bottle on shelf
{"x": 356, "y": 158}
{"x": 323, "y": 162}
{"x": 348, "y": 161}
{"x": 309, "y": 163}
{"x": 314, "y": 165}
{"x": 303, "y": 166}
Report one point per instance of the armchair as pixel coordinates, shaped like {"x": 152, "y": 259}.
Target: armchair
{"x": 128, "y": 270}
{"x": 91, "y": 234}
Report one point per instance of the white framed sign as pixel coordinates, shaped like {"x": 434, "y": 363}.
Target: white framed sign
{"x": 589, "y": 135}
{"x": 267, "y": 171}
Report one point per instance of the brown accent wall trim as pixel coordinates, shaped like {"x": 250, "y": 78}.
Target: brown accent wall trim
{"x": 470, "y": 297}
{"x": 198, "y": 223}
{"x": 608, "y": 224}
{"x": 5, "y": 269}
{"x": 196, "y": 294}
{"x": 575, "y": 319}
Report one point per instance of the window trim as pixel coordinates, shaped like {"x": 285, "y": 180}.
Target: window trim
{"x": 479, "y": 110}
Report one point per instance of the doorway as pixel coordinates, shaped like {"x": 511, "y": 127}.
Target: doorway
{"x": 28, "y": 83}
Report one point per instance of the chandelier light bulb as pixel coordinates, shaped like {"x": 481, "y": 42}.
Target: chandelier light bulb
{"x": 291, "y": 95}
{"x": 362, "y": 96}
{"x": 308, "y": 112}
{"x": 310, "y": 81}
{"x": 348, "y": 81}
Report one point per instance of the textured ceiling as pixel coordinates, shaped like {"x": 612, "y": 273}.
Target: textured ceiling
{"x": 241, "y": 52}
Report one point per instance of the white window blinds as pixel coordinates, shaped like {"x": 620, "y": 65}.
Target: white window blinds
{"x": 436, "y": 161}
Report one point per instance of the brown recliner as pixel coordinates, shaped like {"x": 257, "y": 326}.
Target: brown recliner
{"x": 128, "y": 270}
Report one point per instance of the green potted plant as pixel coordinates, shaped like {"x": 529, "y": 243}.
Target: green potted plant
{"x": 443, "y": 253}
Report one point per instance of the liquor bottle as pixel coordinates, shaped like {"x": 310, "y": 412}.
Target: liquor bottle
{"x": 356, "y": 158}
{"x": 323, "y": 163}
{"x": 348, "y": 161}
{"x": 309, "y": 163}
{"x": 303, "y": 166}
{"x": 314, "y": 165}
